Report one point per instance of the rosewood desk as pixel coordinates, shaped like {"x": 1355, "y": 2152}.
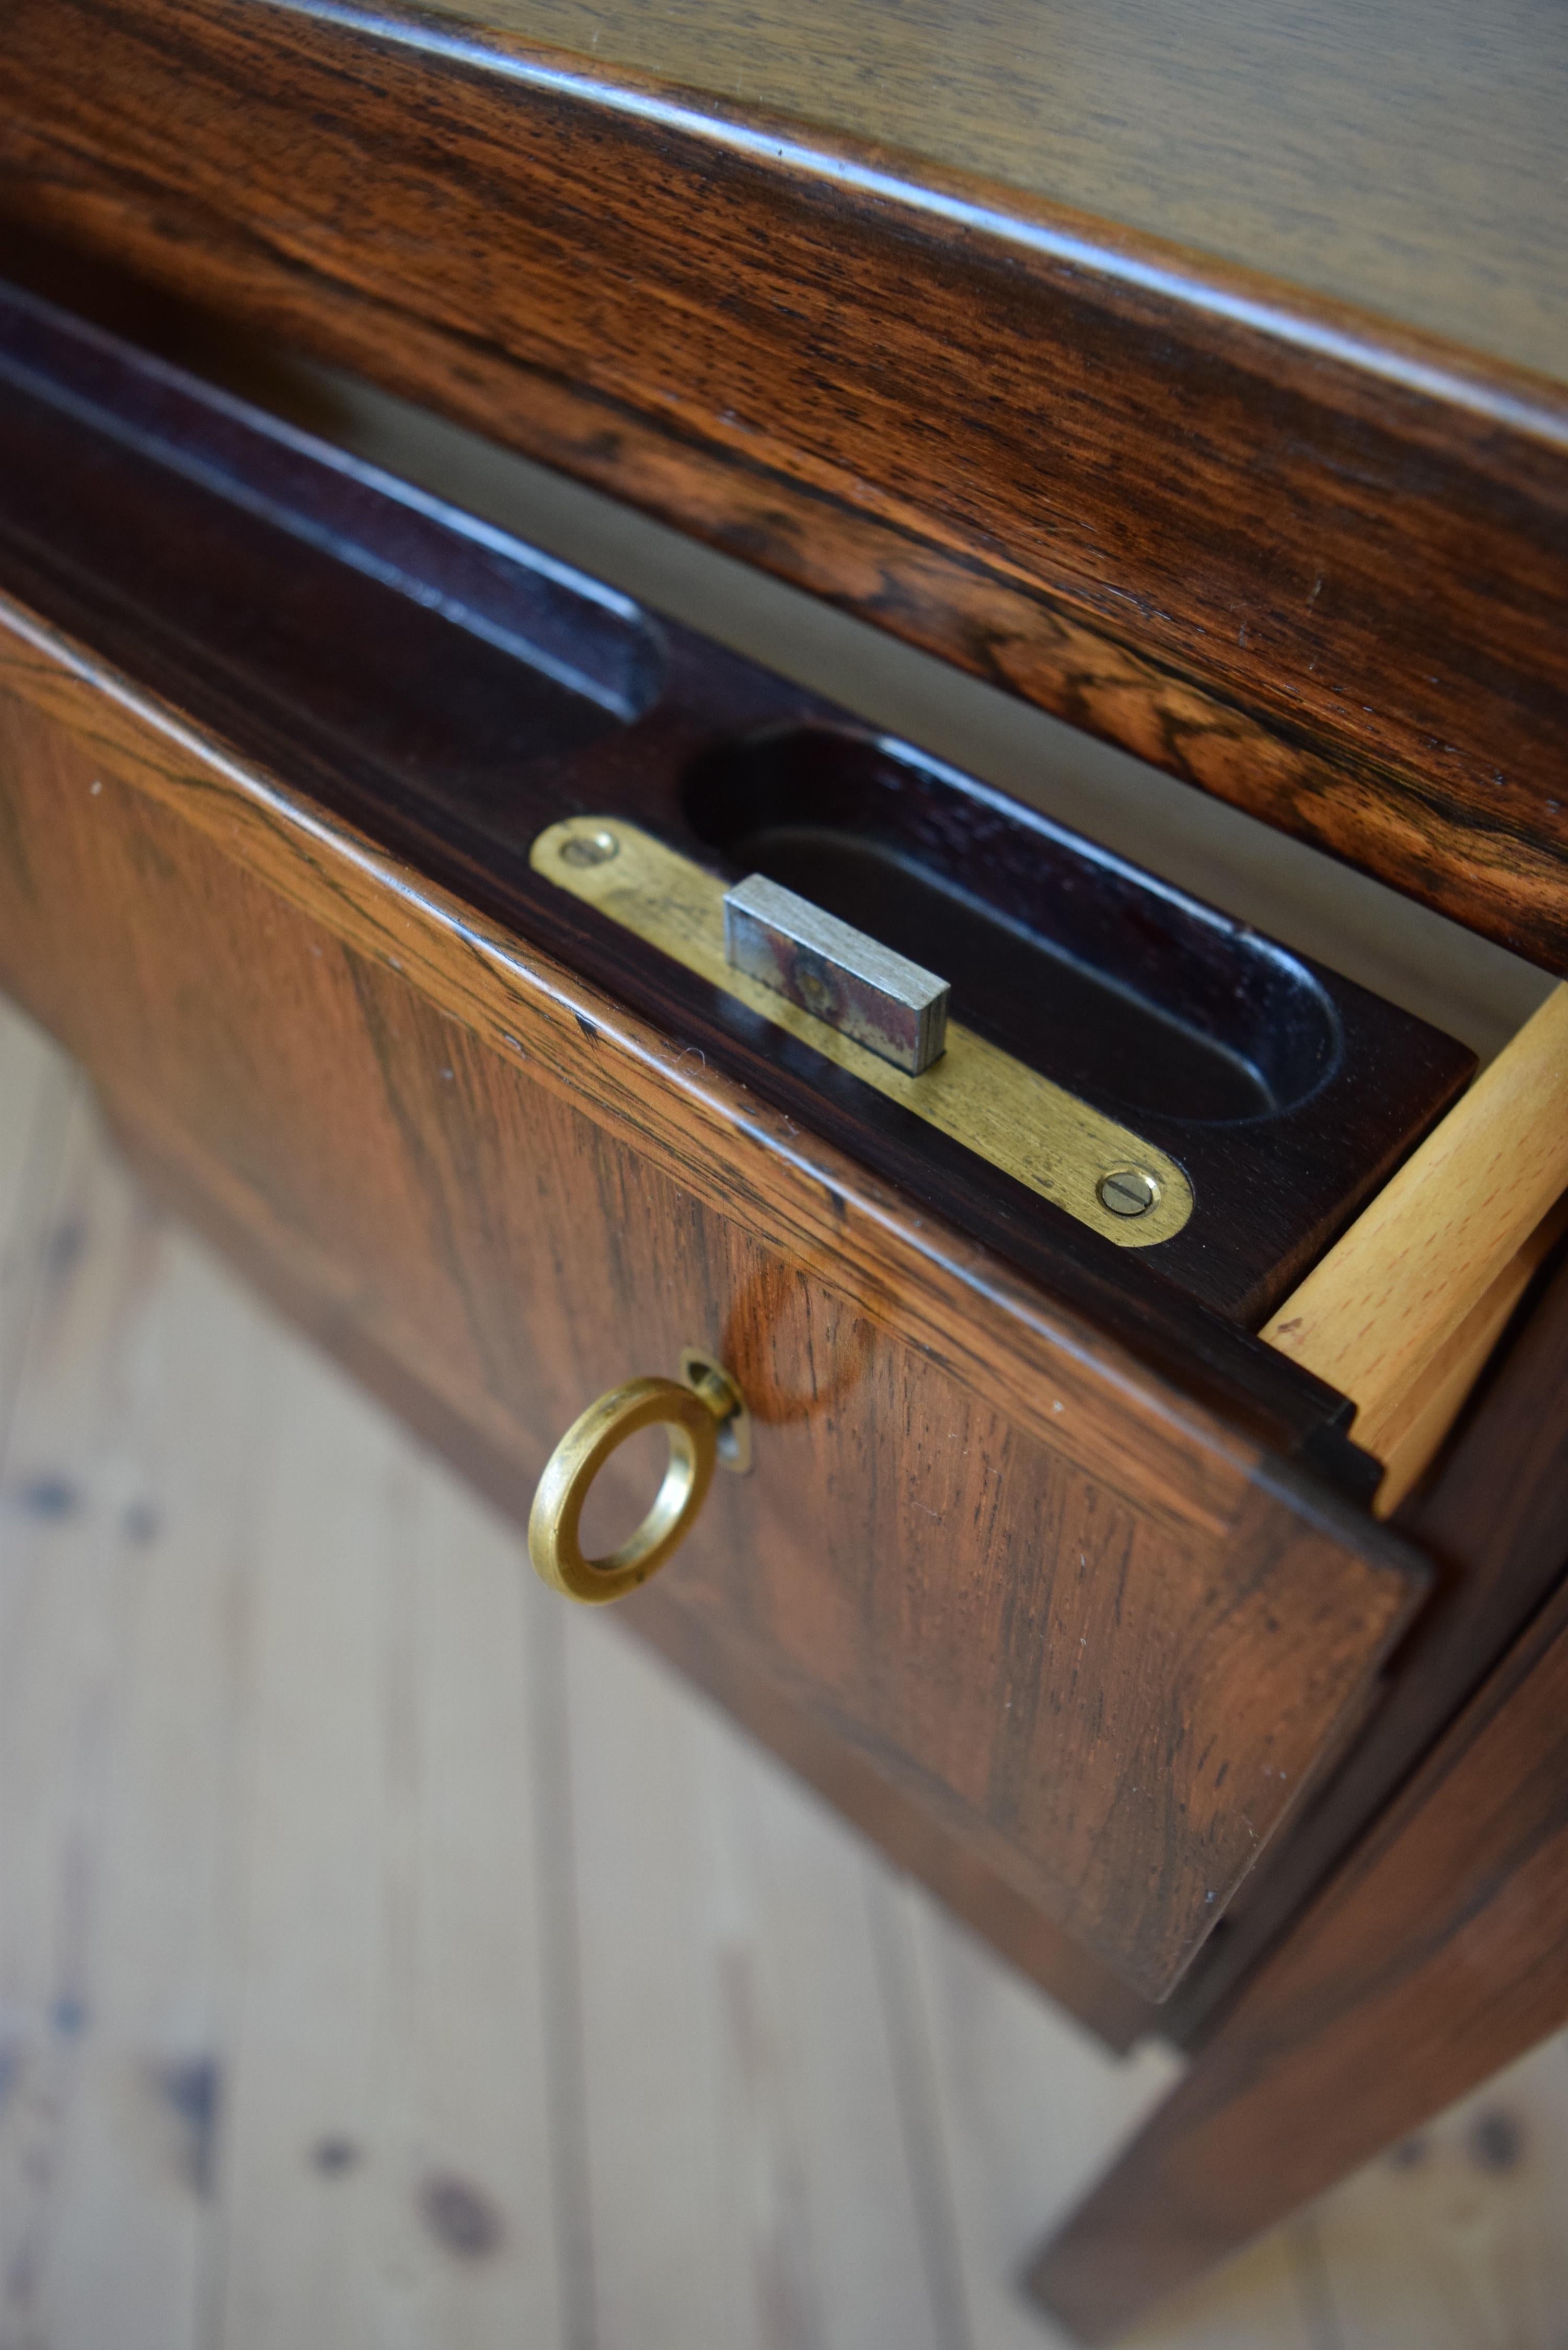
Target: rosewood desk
{"x": 1182, "y": 1598}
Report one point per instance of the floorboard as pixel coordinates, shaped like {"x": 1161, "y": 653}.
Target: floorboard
{"x": 1457, "y": 2240}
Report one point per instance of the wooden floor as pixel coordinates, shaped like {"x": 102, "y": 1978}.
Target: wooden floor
{"x": 390, "y": 1955}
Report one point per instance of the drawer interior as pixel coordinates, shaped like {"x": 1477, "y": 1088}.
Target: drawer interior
{"x": 1116, "y": 984}
{"x": 456, "y": 692}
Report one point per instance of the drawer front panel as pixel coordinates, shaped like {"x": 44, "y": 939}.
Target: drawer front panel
{"x": 1071, "y": 1617}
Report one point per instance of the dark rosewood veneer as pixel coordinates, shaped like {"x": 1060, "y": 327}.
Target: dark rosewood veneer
{"x": 455, "y": 692}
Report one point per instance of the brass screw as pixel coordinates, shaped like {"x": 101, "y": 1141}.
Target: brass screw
{"x": 1128, "y": 1191}
{"x": 589, "y": 848}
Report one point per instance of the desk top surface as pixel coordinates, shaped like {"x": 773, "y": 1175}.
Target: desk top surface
{"x": 1407, "y": 156}
{"x": 1198, "y": 373}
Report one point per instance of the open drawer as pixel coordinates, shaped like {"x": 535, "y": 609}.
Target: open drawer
{"x": 1032, "y": 1521}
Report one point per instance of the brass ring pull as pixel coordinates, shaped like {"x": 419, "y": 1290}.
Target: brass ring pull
{"x": 706, "y": 1419}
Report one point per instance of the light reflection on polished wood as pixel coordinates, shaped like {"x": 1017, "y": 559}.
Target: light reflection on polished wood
{"x": 1400, "y": 158}
{"x": 1303, "y": 555}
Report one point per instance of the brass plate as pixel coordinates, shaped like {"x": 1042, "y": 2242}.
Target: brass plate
{"x": 1036, "y": 1132}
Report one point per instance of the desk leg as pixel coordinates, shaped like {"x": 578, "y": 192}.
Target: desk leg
{"x": 1437, "y": 1955}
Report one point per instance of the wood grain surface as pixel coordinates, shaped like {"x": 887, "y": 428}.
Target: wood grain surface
{"x": 1374, "y": 1315}
{"x": 343, "y": 1874}
{"x": 1247, "y": 1386}
{"x": 1397, "y": 159}
{"x": 1045, "y": 1595}
{"x": 822, "y": 1752}
{"x": 1412, "y": 1439}
{"x": 1493, "y": 1518}
{"x": 1309, "y": 560}
{"x": 250, "y": 579}
{"x": 1435, "y": 1957}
